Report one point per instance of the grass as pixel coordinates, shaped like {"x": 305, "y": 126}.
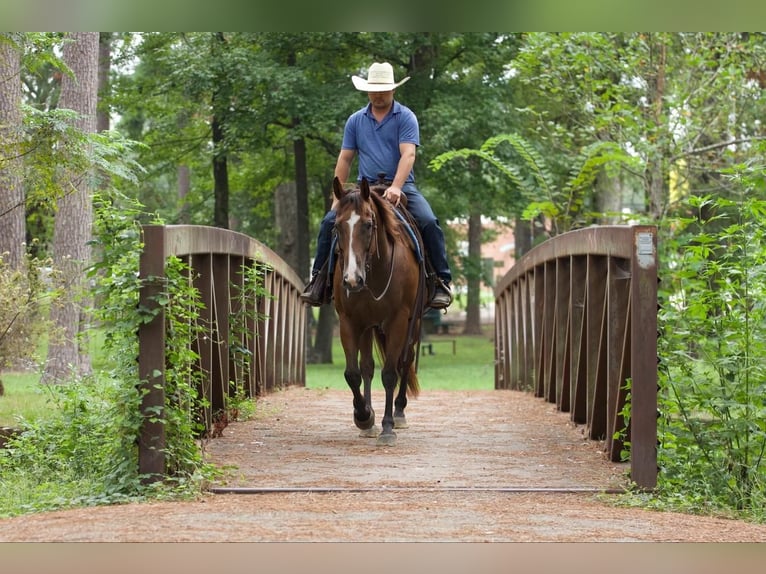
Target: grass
{"x": 23, "y": 398}
{"x": 472, "y": 367}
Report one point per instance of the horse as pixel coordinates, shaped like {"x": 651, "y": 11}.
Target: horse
{"x": 379, "y": 293}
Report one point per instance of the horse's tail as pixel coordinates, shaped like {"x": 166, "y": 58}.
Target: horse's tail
{"x": 413, "y": 386}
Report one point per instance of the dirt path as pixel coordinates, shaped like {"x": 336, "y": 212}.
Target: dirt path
{"x": 473, "y": 466}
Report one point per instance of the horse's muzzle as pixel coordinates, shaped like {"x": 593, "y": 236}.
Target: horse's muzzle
{"x": 353, "y": 283}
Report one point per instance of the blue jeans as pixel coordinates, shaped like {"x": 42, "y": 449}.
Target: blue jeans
{"x": 428, "y": 224}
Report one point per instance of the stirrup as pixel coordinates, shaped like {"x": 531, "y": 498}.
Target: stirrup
{"x": 442, "y": 296}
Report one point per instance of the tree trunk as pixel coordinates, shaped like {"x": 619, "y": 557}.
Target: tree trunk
{"x": 655, "y": 171}
{"x": 286, "y": 214}
{"x": 325, "y": 331}
{"x": 73, "y": 225}
{"x": 220, "y": 177}
{"x": 522, "y": 237}
{"x": 220, "y": 104}
{"x": 12, "y": 213}
{"x": 184, "y": 185}
{"x": 183, "y": 181}
{"x": 473, "y": 272}
{"x": 608, "y": 198}
{"x": 302, "y": 238}
{"x": 104, "y": 67}
{"x": 321, "y": 350}
{"x": 102, "y": 124}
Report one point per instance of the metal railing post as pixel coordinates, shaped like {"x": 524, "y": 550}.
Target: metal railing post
{"x": 151, "y": 356}
{"x": 643, "y": 419}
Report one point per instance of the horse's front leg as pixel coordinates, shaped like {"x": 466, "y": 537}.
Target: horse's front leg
{"x": 395, "y": 359}
{"x": 364, "y": 418}
{"x": 368, "y": 371}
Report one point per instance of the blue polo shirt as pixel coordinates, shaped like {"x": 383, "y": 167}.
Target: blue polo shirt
{"x": 377, "y": 143}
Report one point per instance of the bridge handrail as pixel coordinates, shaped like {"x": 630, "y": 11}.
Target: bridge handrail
{"x": 275, "y": 341}
{"x": 575, "y": 318}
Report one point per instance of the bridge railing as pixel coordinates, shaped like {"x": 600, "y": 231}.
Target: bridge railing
{"x": 274, "y": 337}
{"x": 575, "y": 319}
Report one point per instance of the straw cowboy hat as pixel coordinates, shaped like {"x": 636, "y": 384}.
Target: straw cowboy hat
{"x": 380, "y": 78}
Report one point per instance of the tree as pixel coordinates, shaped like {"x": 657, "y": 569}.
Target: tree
{"x": 308, "y": 108}
{"x": 281, "y": 100}
{"x": 461, "y": 93}
{"x": 12, "y": 213}
{"x": 72, "y": 230}
{"x": 104, "y": 69}
{"x": 685, "y": 104}
{"x": 12, "y": 228}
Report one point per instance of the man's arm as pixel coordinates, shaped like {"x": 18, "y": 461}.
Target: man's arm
{"x": 407, "y": 153}
{"x": 343, "y": 165}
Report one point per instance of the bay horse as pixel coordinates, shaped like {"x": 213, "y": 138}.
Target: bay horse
{"x": 379, "y": 293}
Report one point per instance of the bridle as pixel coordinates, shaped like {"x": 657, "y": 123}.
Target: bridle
{"x": 370, "y": 252}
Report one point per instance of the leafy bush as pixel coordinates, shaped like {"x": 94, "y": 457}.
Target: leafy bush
{"x": 86, "y": 452}
{"x": 713, "y": 354}
{"x": 21, "y": 320}
{"x": 72, "y": 457}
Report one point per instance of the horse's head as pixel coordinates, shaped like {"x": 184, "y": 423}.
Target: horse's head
{"x": 355, "y": 226}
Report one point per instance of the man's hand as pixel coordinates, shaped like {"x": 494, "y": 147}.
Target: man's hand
{"x": 394, "y": 195}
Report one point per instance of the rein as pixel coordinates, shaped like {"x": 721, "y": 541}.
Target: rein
{"x": 419, "y": 302}
{"x": 390, "y": 274}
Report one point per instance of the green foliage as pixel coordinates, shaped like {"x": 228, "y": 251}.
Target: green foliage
{"x": 624, "y": 414}
{"x": 85, "y": 451}
{"x": 57, "y": 155}
{"x": 559, "y": 201}
{"x": 713, "y": 351}
{"x": 21, "y": 319}
{"x": 183, "y": 380}
{"x": 242, "y": 321}
{"x": 73, "y": 457}
{"x": 118, "y": 291}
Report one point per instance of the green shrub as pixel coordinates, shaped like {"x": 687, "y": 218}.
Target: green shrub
{"x": 21, "y": 319}
{"x": 85, "y": 451}
{"x": 713, "y": 355}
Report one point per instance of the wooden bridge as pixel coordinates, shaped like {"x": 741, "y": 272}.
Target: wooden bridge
{"x": 575, "y": 319}
{"x": 274, "y": 338}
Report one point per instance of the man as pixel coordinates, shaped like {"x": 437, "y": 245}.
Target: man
{"x": 385, "y": 135}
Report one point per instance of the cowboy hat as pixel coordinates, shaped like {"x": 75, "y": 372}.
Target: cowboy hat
{"x": 380, "y": 78}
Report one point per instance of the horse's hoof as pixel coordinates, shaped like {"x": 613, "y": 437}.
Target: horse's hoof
{"x": 401, "y": 423}
{"x": 386, "y": 439}
{"x": 371, "y": 432}
{"x": 365, "y": 424}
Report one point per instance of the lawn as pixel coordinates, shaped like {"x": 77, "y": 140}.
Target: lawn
{"x": 24, "y": 397}
{"x": 471, "y": 367}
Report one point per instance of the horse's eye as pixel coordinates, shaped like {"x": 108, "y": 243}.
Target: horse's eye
{"x": 368, "y": 225}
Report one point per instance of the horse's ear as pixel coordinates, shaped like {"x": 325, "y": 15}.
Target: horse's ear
{"x": 365, "y": 189}
{"x": 337, "y": 188}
